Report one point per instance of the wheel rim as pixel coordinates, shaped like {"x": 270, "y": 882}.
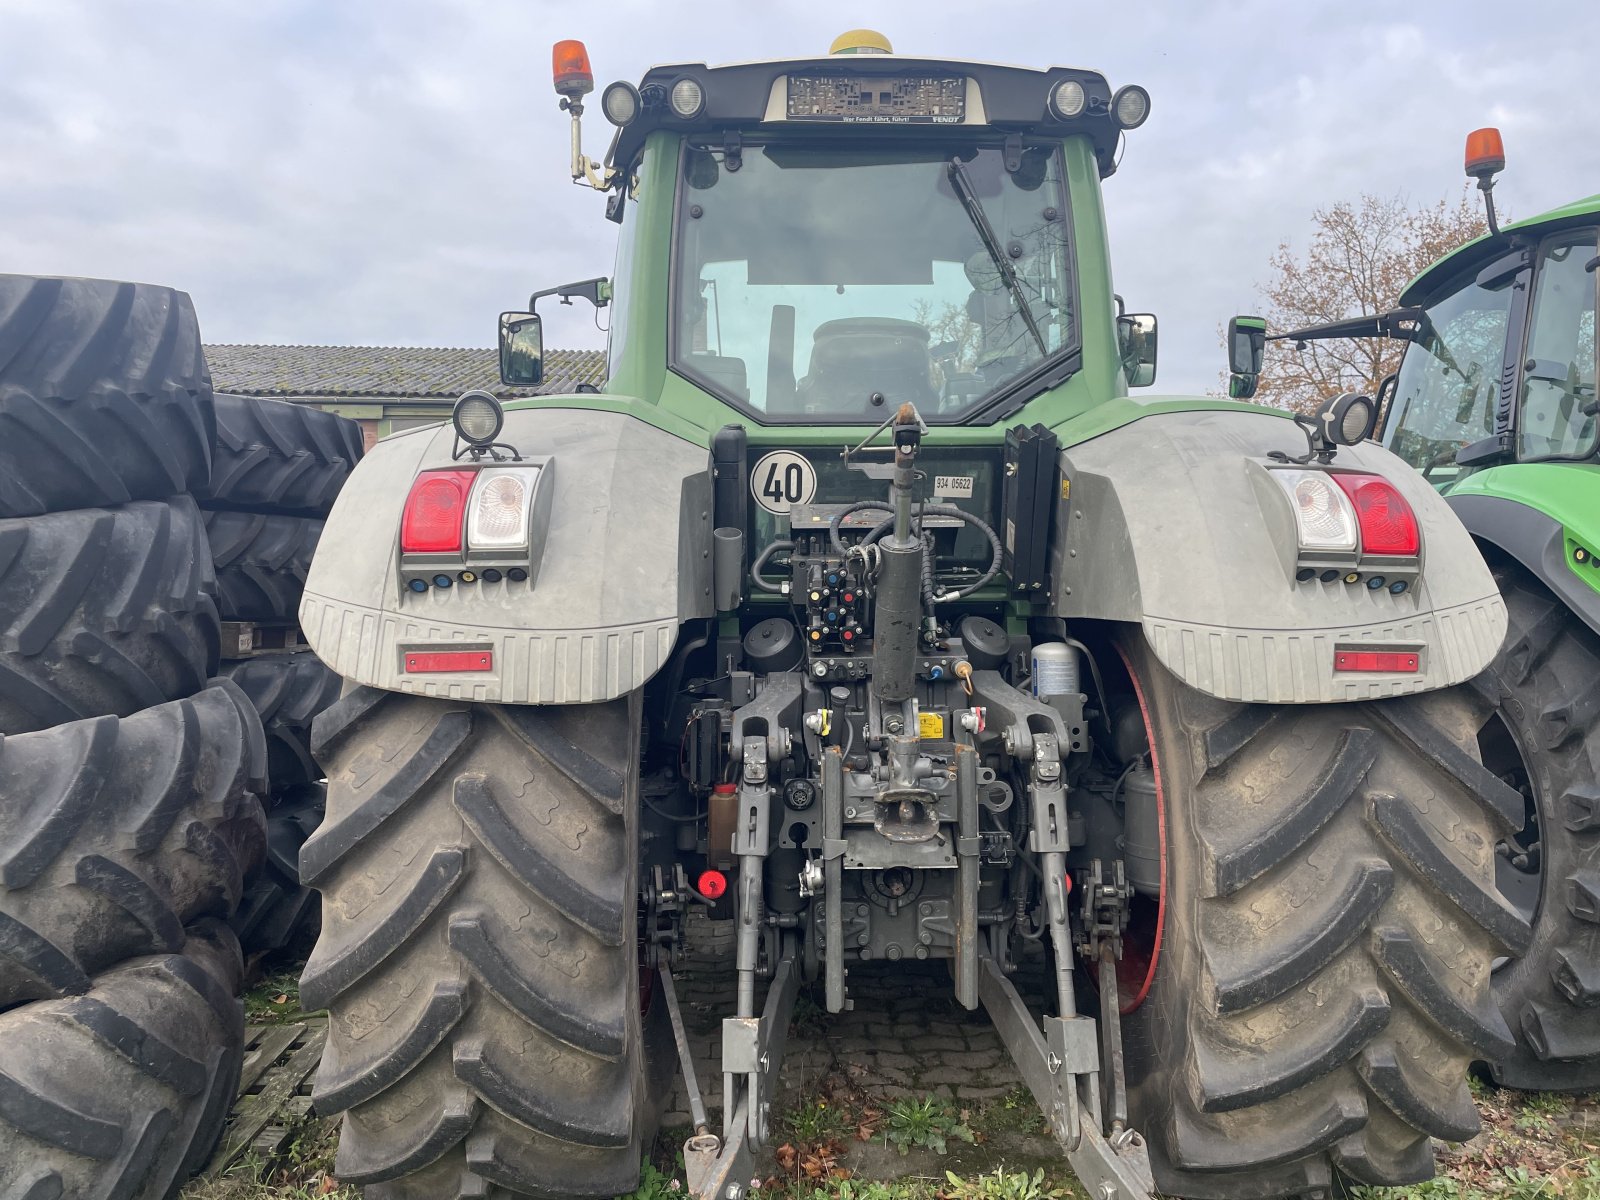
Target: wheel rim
{"x": 1141, "y": 942}
{"x": 1519, "y": 857}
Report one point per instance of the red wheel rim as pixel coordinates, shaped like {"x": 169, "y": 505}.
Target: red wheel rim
{"x": 1141, "y": 944}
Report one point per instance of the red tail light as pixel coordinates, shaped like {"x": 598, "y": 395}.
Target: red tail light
{"x": 1388, "y": 526}
{"x": 434, "y": 512}
{"x": 713, "y": 885}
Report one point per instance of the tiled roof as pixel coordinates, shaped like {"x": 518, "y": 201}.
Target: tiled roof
{"x": 395, "y": 372}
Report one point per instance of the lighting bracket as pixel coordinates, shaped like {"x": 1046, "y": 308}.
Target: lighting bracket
{"x": 1317, "y": 446}
{"x": 478, "y": 451}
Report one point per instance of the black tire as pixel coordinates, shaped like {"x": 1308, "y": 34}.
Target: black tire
{"x": 123, "y": 1092}
{"x": 478, "y": 869}
{"x": 280, "y": 457}
{"x": 278, "y": 912}
{"x": 288, "y": 690}
{"x": 103, "y": 611}
{"x": 1543, "y": 734}
{"x": 261, "y": 563}
{"x": 118, "y": 832}
{"x": 104, "y": 395}
{"x": 1322, "y": 984}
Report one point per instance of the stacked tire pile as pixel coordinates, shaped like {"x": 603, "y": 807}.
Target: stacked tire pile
{"x": 131, "y": 776}
{"x": 276, "y": 468}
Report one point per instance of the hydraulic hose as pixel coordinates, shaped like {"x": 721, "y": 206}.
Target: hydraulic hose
{"x": 760, "y": 580}
{"x": 942, "y": 510}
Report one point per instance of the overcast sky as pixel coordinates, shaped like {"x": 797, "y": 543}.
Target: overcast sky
{"x": 339, "y": 171}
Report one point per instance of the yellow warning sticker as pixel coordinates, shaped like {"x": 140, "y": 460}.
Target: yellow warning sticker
{"x": 930, "y": 725}
{"x": 1066, "y": 489}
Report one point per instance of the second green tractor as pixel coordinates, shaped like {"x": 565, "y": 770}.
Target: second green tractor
{"x": 1495, "y": 405}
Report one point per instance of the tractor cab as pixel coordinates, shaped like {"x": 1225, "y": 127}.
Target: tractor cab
{"x": 831, "y": 238}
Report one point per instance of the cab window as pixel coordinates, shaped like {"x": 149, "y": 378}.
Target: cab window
{"x": 1445, "y": 396}
{"x": 1558, "y": 373}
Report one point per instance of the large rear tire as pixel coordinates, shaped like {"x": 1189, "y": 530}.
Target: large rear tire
{"x": 104, "y": 395}
{"x": 280, "y": 457}
{"x": 1543, "y": 735}
{"x": 118, "y": 832}
{"x": 278, "y": 912}
{"x": 1322, "y": 983}
{"x": 479, "y": 957}
{"x": 103, "y": 611}
{"x": 122, "y": 1093}
{"x": 261, "y": 563}
{"x": 288, "y": 690}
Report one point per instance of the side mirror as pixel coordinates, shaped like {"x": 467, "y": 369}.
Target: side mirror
{"x": 1247, "y": 348}
{"x": 1247, "y": 345}
{"x": 1136, "y": 344}
{"x": 521, "y": 349}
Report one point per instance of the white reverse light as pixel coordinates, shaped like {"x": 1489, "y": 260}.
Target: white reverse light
{"x": 497, "y": 515}
{"x": 1323, "y": 515}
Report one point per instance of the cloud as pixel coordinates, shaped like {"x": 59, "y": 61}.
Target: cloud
{"x": 395, "y": 173}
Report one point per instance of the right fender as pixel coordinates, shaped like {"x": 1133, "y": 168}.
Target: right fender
{"x": 1172, "y": 523}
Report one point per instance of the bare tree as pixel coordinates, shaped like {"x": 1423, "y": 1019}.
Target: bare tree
{"x": 1360, "y": 259}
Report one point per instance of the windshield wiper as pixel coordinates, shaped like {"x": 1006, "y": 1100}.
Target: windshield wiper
{"x": 991, "y": 242}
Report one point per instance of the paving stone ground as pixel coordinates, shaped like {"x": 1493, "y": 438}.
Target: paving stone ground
{"x": 906, "y": 1035}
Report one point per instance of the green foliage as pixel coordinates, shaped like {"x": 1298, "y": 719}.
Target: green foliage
{"x": 817, "y": 1121}
{"x": 1511, "y": 1183}
{"x": 929, "y": 1123}
{"x": 275, "y": 1000}
{"x": 653, "y": 1185}
{"x": 1015, "y": 1112}
{"x": 1001, "y": 1184}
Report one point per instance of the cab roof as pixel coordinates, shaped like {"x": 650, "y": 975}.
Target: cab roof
{"x": 1481, "y": 250}
{"x": 747, "y": 96}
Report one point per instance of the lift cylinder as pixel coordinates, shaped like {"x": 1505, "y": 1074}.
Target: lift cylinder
{"x": 896, "y": 617}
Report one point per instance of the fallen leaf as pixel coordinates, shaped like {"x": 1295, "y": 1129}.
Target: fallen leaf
{"x": 281, "y": 998}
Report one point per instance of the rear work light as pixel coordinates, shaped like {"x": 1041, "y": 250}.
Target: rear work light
{"x": 435, "y": 512}
{"x": 1388, "y": 526}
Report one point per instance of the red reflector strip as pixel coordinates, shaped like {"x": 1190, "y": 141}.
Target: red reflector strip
{"x": 1402, "y": 662}
{"x": 422, "y": 662}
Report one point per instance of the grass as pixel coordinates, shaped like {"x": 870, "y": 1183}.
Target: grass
{"x": 1535, "y": 1146}
{"x": 275, "y": 1000}
{"x": 305, "y": 1172}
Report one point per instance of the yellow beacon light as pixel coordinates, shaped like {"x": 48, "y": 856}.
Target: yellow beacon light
{"x": 861, "y": 41}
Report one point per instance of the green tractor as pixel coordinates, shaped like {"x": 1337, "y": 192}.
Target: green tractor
{"x": 1494, "y": 403}
{"x": 865, "y": 609}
